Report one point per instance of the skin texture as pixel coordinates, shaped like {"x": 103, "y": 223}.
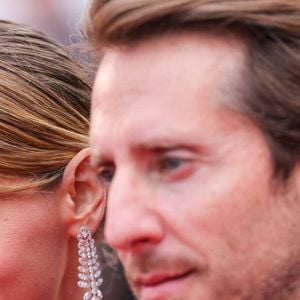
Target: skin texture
{"x": 32, "y": 247}
{"x": 193, "y": 210}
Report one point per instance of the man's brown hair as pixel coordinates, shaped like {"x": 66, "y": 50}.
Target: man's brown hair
{"x": 269, "y": 28}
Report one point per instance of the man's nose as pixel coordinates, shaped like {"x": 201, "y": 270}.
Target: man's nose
{"x": 131, "y": 220}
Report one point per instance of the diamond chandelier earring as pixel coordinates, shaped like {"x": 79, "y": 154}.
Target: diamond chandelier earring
{"x": 89, "y": 268}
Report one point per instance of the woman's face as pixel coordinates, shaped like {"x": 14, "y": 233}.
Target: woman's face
{"x": 32, "y": 246}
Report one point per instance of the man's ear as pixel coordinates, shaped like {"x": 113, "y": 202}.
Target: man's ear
{"x": 83, "y": 196}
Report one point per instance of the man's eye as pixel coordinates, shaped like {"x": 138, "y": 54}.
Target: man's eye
{"x": 106, "y": 174}
{"x": 170, "y": 163}
{"x": 173, "y": 168}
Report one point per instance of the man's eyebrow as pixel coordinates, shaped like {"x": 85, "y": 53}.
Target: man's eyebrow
{"x": 161, "y": 146}
{"x": 159, "y": 143}
{"x": 154, "y": 145}
{"x": 100, "y": 159}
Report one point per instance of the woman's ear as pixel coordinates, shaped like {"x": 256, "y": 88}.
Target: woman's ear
{"x": 82, "y": 194}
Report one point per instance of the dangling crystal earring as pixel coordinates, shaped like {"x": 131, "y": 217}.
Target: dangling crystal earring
{"x": 89, "y": 268}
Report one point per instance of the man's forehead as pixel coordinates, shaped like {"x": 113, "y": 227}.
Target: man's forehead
{"x": 110, "y": 138}
{"x": 132, "y": 90}
{"x": 181, "y": 52}
{"x": 149, "y": 69}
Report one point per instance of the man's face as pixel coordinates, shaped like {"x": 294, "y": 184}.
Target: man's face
{"x": 192, "y": 208}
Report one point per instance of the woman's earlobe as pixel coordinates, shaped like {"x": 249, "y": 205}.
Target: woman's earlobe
{"x": 85, "y": 196}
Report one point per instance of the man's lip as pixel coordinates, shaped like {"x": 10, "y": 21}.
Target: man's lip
{"x": 154, "y": 279}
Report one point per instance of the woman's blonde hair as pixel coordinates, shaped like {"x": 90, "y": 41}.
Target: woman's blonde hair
{"x": 44, "y": 109}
